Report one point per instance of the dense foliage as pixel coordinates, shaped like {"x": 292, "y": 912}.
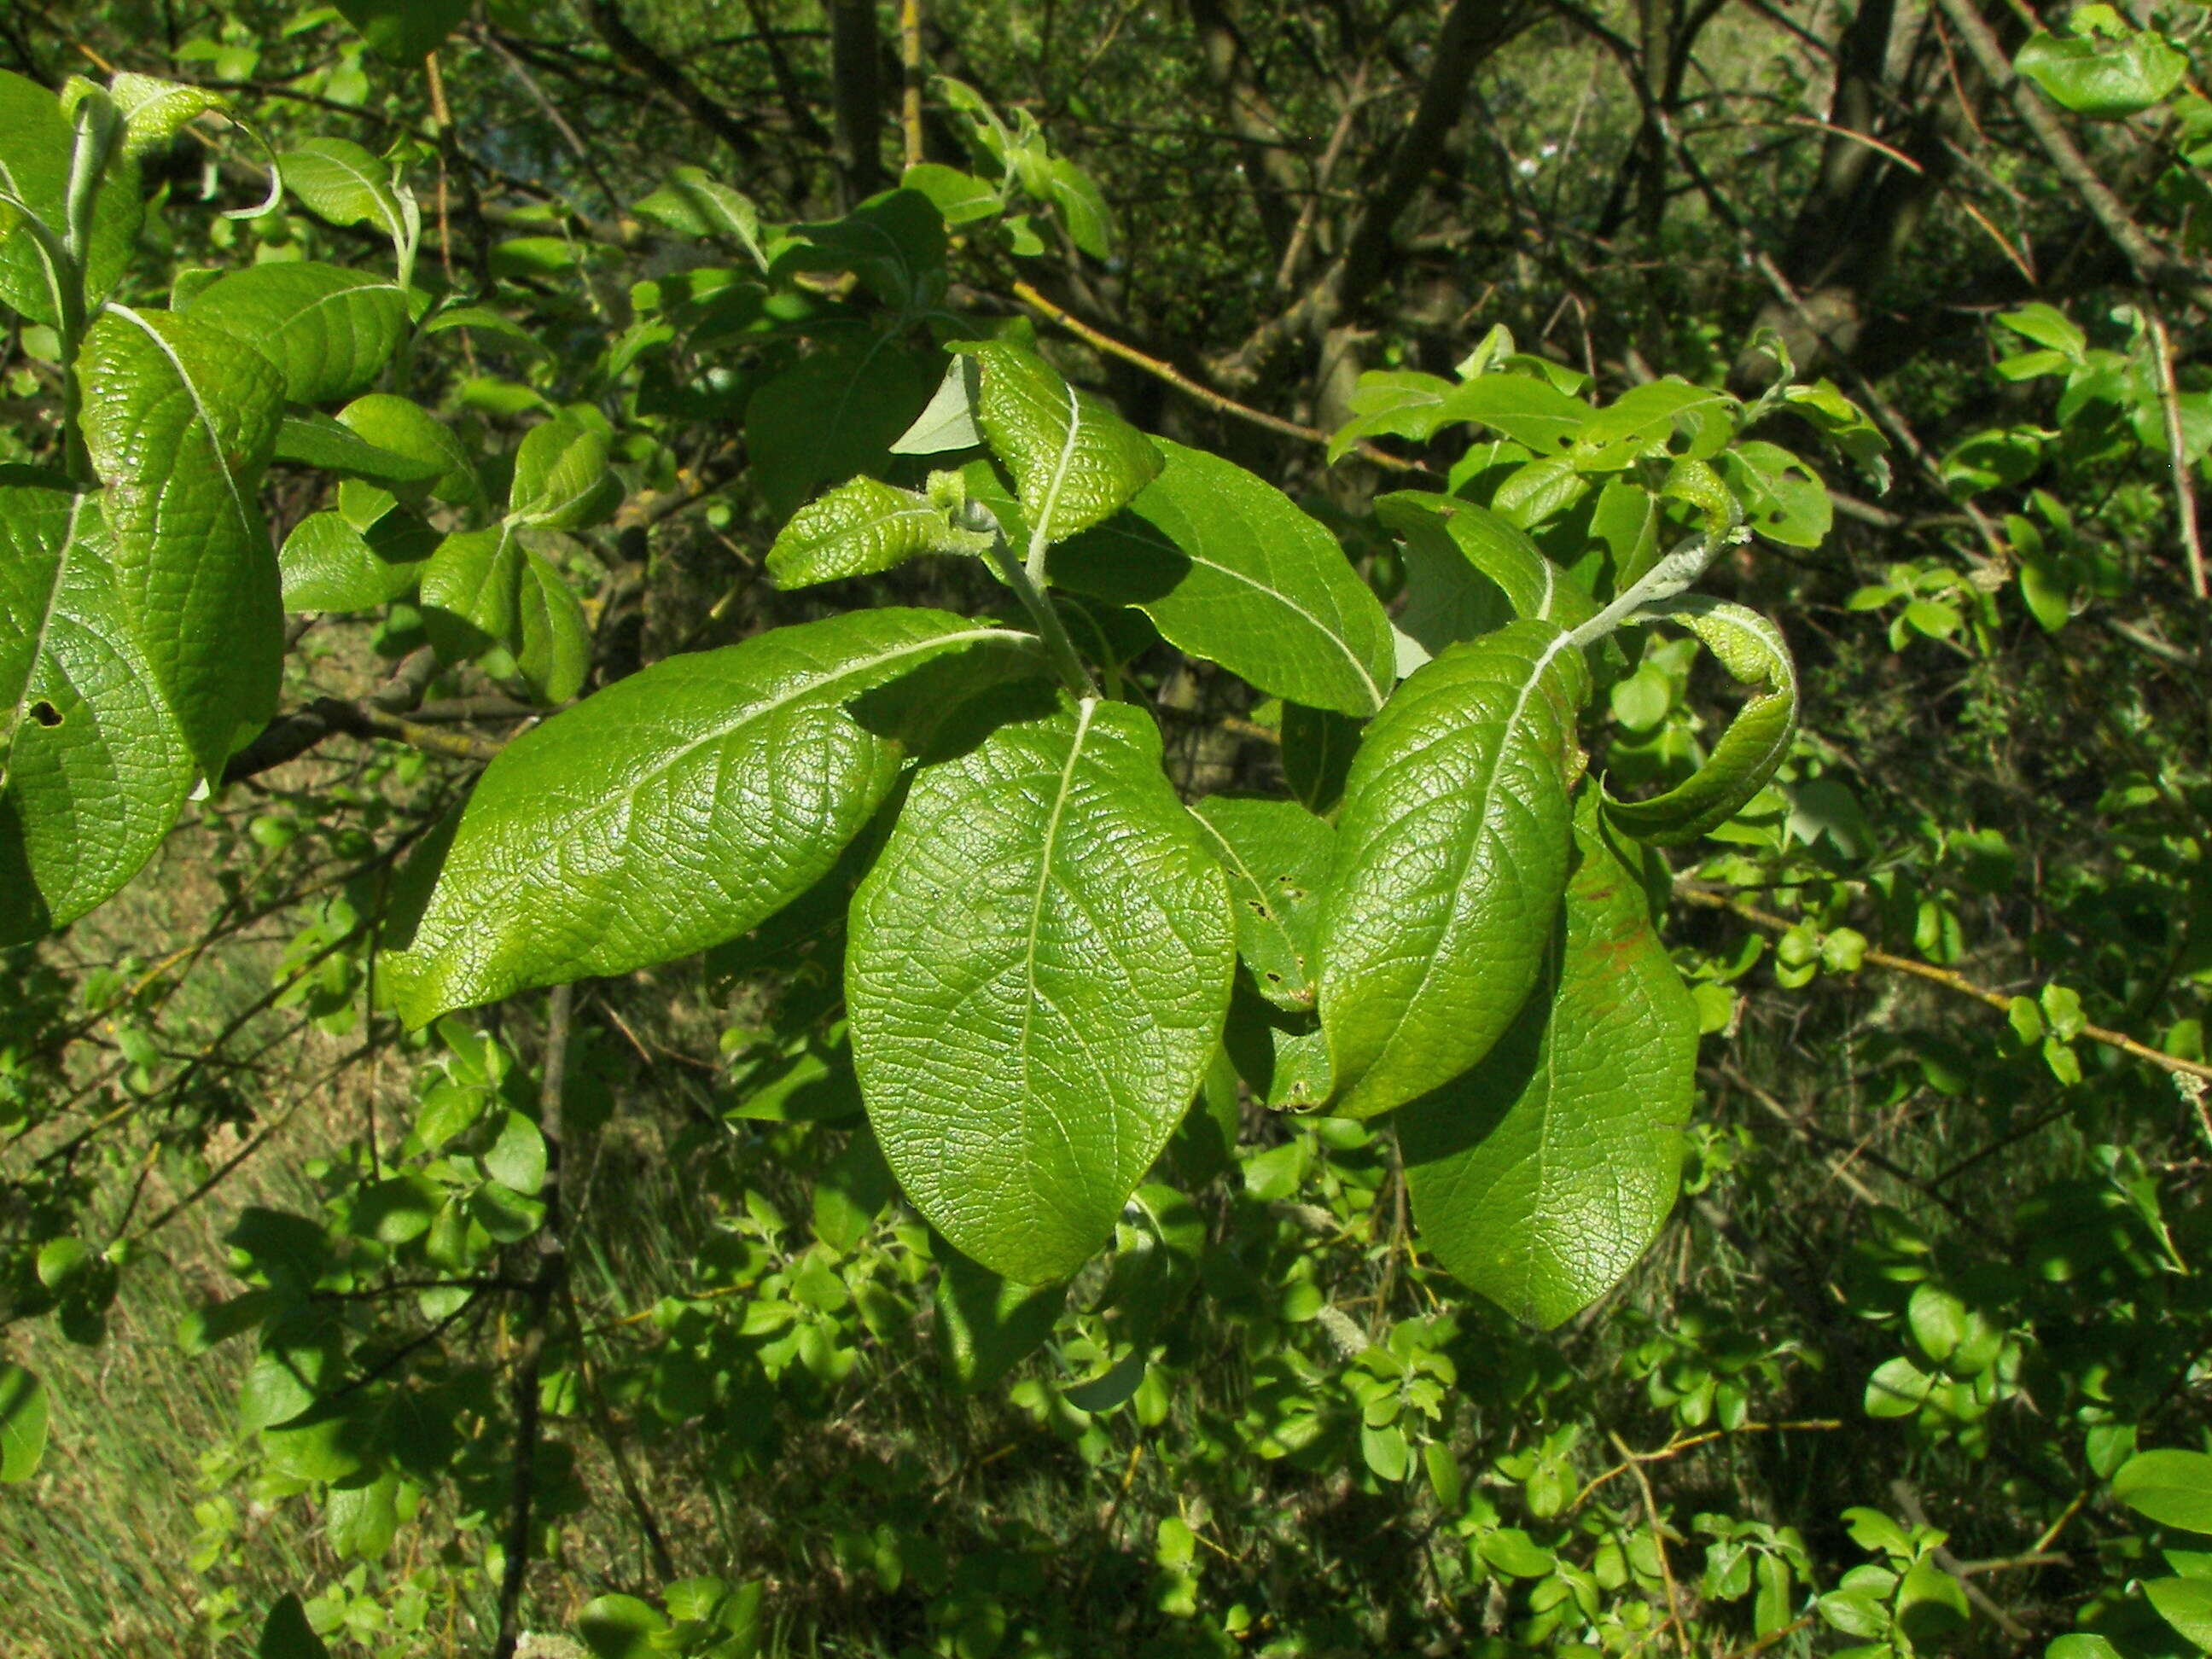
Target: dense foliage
{"x": 965, "y": 829}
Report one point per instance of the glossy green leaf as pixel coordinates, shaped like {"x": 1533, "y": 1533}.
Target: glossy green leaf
{"x": 154, "y": 111}
{"x": 856, "y": 530}
{"x": 1462, "y": 560}
{"x": 562, "y": 479}
{"x": 2104, "y": 79}
{"x": 2185, "y": 1604}
{"x": 181, "y": 423}
{"x": 1276, "y": 854}
{"x": 406, "y": 31}
{"x": 1318, "y": 746}
{"x": 1525, "y": 409}
{"x": 1075, "y": 461}
{"x": 35, "y": 144}
{"x": 552, "y": 641}
{"x": 1395, "y": 402}
{"x": 328, "y": 565}
{"x": 961, "y": 197}
{"x": 1228, "y": 569}
{"x": 673, "y": 810}
{"x": 1082, "y": 209}
{"x": 328, "y": 331}
{"x": 1541, "y": 1175}
{"x": 1451, "y": 854}
{"x": 408, "y": 429}
{"x": 472, "y": 584}
{"x": 1779, "y": 496}
{"x": 1038, "y": 968}
{"x": 1660, "y": 417}
{"x": 695, "y": 202}
{"x": 338, "y": 180}
{"x": 92, "y": 768}
{"x": 2173, "y": 1488}
{"x": 22, "y": 1424}
{"x": 1756, "y": 740}
{"x": 317, "y": 441}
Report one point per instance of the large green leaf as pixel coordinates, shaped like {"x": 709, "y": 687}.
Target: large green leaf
{"x": 836, "y": 413}
{"x": 2107, "y": 79}
{"x": 1754, "y": 652}
{"x": 317, "y": 441}
{"x": 1075, "y": 461}
{"x": 407, "y": 429}
{"x": 35, "y": 142}
{"x": 1451, "y": 854}
{"x": 342, "y": 182}
{"x": 2185, "y": 1604}
{"x": 328, "y": 331}
{"x": 856, "y": 530}
{"x": 1464, "y": 566}
{"x": 92, "y": 768}
{"x": 1539, "y": 1176}
{"x": 561, "y": 480}
{"x": 471, "y": 588}
{"x": 1038, "y": 968}
{"x": 328, "y": 565}
{"x": 552, "y": 641}
{"x": 179, "y": 423}
{"x": 1276, "y": 854}
{"x": 671, "y": 811}
{"x": 22, "y": 1424}
{"x": 1230, "y": 570}
{"x": 1660, "y": 417}
{"x": 2173, "y": 1488}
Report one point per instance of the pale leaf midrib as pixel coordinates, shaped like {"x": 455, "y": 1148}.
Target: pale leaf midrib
{"x": 627, "y": 795}
{"x": 1481, "y": 819}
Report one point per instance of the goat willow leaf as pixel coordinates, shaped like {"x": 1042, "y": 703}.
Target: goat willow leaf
{"x": 92, "y": 768}
{"x": 1038, "y": 970}
{"x": 670, "y": 811}
{"x": 179, "y": 423}
{"x": 1752, "y": 650}
{"x": 856, "y": 530}
{"x": 1276, "y": 855}
{"x": 1075, "y": 461}
{"x": 1540, "y": 1176}
{"x": 1461, "y": 560}
{"x": 35, "y": 142}
{"x": 1228, "y": 569}
{"x": 22, "y": 1424}
{"x": 337, "y": 179}
{"x": 1451, "y": 854}
{"x": 328, "y": 331}
{"x": 562, "y": 479}
{"x": 328, "y": 565}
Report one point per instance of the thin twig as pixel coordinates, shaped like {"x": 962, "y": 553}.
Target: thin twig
{"x": 1658, "y": 1543}
{"x": 1957, "y": 984}
{"x": 2177, "y": 449}
{"x": 1677, "y": 1446}
{"x": 910, "y": 72}
{"x": 551, "y": 1261}
{"x": 1190, "y": 388}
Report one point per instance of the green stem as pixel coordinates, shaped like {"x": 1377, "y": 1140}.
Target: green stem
{"x": 1057, "y": 645}
{"x": 98, "y": 127}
